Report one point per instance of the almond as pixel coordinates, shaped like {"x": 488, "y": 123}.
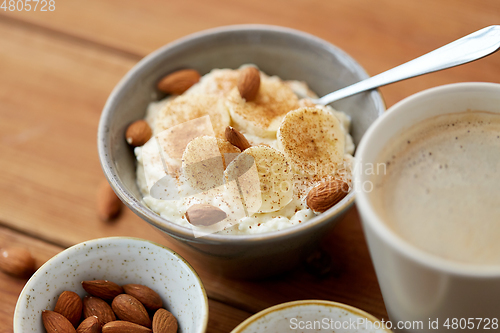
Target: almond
{"x": 128, "y": 308}
{"x": 89, "y": 325}
{"x": 109, "y": 205}
{"x": 325, "y": 195}
{"x": 70, "y": 305}
{"x": 178, "y": 82}
{"x": 138, "y": 133}
{"x": 17, "y": 261}
{"x": 236, "y": 138}
{"x": 204, "y": 215}
{"x": 164, "y": 322}
{"x": 56, "y": 323}
{"x": 124, "y": 327}
{"x": 94, "y": 306}
{"x": 249, "y": 83}
{"x": 148, "y": 297}
{"x": 103, "y": 289}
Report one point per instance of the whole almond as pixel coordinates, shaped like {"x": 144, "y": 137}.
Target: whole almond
{"x": 236, "y": 138}
{"x": 147, "y": 296}
{"x": 17, "y": 261}
{"x": 109, "y": 205}
{"x": 138, "y": 133}
{"x": 56, "y": 323}
{"x": 325, "y": 195}
{"x": 124, "y": 327}
{"x": 128, "y": 308}
{"x": 164, "y": 322}
{"x": 204, "y": 215}
{"x": 70, "y": 305}
{"x": 89, "y": 325}
{"x": 94, "y": 306}
{"x": 249, "y": 83}
{"x": 104, "y": 289}
{"x": 178, "y": 82}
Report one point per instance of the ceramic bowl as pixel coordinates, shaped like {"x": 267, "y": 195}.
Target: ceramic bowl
{"x": 416, "y": 284}
{"x": 312, "y": 316}
{"x": 121, "y": 260}
{"x": 288, "y": 53}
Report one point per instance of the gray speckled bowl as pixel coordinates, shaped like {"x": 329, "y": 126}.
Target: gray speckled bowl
{"x": 122, "y": 260}
{"x": 312, "y": 316}
{"x": 288, "y": 53}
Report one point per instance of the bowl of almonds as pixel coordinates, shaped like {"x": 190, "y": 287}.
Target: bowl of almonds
{"x": 245, "y": 92}
{"x": 111, "y": 285}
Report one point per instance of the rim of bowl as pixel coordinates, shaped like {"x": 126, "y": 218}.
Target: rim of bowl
{"x": 175, "y": 230}
{"x": 387, "y": 234}
{"x": 276, "y": 308}
{"x": 91, "y": 242}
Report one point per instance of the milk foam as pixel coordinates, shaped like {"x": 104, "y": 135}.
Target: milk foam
{"x": 441, "y": 191}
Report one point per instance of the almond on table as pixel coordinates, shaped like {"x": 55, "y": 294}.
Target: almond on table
{"x": 109, "y": 205}
{"x": 17, "y": 261}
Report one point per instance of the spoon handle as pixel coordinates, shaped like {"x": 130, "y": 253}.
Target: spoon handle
{"x": 466, "y": 49}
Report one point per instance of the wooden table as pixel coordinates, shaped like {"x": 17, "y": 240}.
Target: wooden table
{"x": 57, "y": 69}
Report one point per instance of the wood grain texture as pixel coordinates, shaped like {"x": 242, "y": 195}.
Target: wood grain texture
{"x": 10, "y": 287}
{"x": 52, "y": 93}
{"x": 222, "y": 318}
{"x": 379, "y": 34}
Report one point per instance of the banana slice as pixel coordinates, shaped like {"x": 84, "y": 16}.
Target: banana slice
{"x": 313, "y": 140}
{"x": 264, "y": 179}
{"x": 218, "y": 82}
{"x": 263, "y": 115}
{"x": 204, "y": 161}
{"x": 173, "y": 141}
{"x": 189, "y": 107}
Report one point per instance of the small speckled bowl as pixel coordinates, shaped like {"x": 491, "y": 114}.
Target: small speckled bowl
{"x": 312, "y": 316}
{"x": 122, "y": 260}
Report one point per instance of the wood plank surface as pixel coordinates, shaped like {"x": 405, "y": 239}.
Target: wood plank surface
{"x": 57, "y": 69}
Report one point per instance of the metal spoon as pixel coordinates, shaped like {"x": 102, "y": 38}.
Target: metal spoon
{"x": 466, "y": 49}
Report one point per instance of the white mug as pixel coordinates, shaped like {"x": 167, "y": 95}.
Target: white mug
{"x": 423, "y": 292}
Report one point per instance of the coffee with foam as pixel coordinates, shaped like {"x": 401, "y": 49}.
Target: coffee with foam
{"x": 441, "y": 188}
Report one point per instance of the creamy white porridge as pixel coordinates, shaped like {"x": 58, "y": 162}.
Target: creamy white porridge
{"x": 289, "y": 163}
